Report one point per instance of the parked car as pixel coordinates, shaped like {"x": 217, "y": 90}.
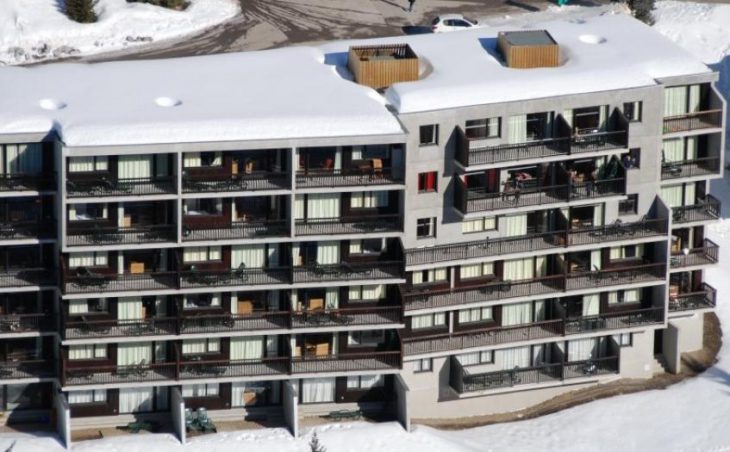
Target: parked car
{"x": 451, "y": 22}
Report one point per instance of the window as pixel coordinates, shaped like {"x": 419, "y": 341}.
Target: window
{"x": 475, "y": 315}
{"x": 423, "y": 365}
{"x": 82, "y": 212}
{"x": 366, "y": 293}
{"x": 476, "y": 358}
{"x": 90, "y": 351}
{"x": 200, "y": 346}
{"x": 624, "y": 340}
{"x": 427, "y": 182}
{"x": 203, "y": 206}
{"x": 366, "y": 246}
{"x": 369, "y": 199}
{"x": 426, "y": 227}
{"x": 632, "y": 159}
{"x": 482, "y": 128}
{"x": 365, "y": 338}
{"x": 202, "y": 300}
{"x": 630, "y": 205}
{"x": 428, "y": 134}
{"x": 87, "y": 164}
{"x": 479, "y": 225}
{"x": 202, "y": 254}
{"x": 86, "y": 397}
{"x": 429, "y": 276}
{"x": 626, "y": 252}
{"x": 624, "y": 296}
{"x": 434, "y": 320}
{"x": 364, "y": 382}
{"x": 632, "y": 111}
{"x": 88, "y": 259}
{"x": 200, "y": 390}
{"x": 476, "y": 270}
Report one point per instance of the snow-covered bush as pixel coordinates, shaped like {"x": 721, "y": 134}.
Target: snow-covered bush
{"x": 172, "y": 4}
{"x": 641, "y": 9}
{"x": 81, "y": 11}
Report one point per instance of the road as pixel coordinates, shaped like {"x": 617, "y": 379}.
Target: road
{"x": 265, "y": 24}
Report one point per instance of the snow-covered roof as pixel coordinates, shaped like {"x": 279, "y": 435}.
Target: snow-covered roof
{"x": 300, "y": 92}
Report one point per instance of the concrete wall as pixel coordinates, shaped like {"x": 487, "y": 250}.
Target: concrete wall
{"x": 290, "y": 404}
{"x": 177, "y": 414}
{"x": 671, "y": 349}
{"x": 637, "y": 360}
{"x": 63, "y": 418}
{"x": 402, "y": 402}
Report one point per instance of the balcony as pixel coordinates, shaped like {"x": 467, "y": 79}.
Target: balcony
{"x": 704, "y": 298}
{"x": 699, "y": 167}
{"x": 27, "y": 182}
{"x": 215, "y": 230}
{"x": 472, "y": 200}
{"x": 344, "y": 271}
{"x": 325, "y": 318}
{"x": 87, "y": 328}
{"x": 535, "y": 242}
{"x": 347, "y": 362}
{"x": 349, "y": 225}
{"x": 365, "y": 175}
{"x": 140, "y": 373}
{"x": 190, "y": 370}
{"x": 707, "y": 209}
{"x": 11, "y": 324}
{"x": 223, "y": 323}
{"x": 615, "y": 320}
{"x": 84, "y": 280}
{"x": 710, "y": 119}
{"x": 193, "y": 278}
{"x": 132, "y": 235}
{"x": 28, "y": 230}
{"x": 708, "y": 253}
{"x": 414, "y": 299}
{"x": 464, "y": 382}
{"x": 103, "y": 186}
{"x": 35, "y": 368}
{"x": 213, "y": 181}
{"x": 27, "y": 277}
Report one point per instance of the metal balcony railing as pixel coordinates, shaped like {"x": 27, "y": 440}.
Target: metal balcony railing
{"x": 704, "y": 298}
{"x": 102, "y": 186}
{"x": 353, "y": 177}
{"x": 118, "y": 235}
{"x": 693, "y": 121}
{"x": 708, "y": 253}
{"x": 705, "y": 209}
{"x": 349, "y": 225}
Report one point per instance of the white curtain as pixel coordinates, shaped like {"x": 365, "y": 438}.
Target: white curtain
{"x": 328, "y": 253}
{"x": 689, "y": 194}
{"x": 694, "y": 99}
{"x": 299, "y": 207}
{"x": 675, "y": 101}
{"x": 331, "y": 297}
{"x": 191, "y": 160}
{"x": 673, "y": 150}
{"x": 514, "y": 225}
{"x": 591, "y": 305}
{"x": 90, "y": 351}
{"x": 87, "y": 259}
{"x": 129, "y": 309}
{"x": 23, "y": 158}
{"x": 134, "y": 353}
{"x": 475, "y": 315}
{"x": 673, "y": 195}
{"x": 78, "y": 306}
{"x": 540, "y": 354}
{"x": 318, "y": 390}
{"x": 134, "y": 166}
{"x": 541, "y": 266}
{"x": 517, "y": 129}
{"x": 568, "y": 116}
{"x": 517, "y": 313}
{"x": 428, "y": 320}
{"x": 518, "y": 269}
{"x": 632, "y": 295}
{"x": 582, "y": 349}
{"x": 198, "y": 346}
{"x": 80, "y": 164}
{"x": 90, "y": 396}
{"x": 200, "y": 390}
{"x": 323, "y": 205}
{"x": 514, "y": 357}
{"x": 369, "y": 199}
{"x": 252, "y": 256}
{"x": 202, "y": 253}
{"x": 598, "y": 215}
{"x": 247, "y": 348}
{"x": 540, "y": 310}
{"x": 690, "y": 148}
{"x": 133, "y": 400}
{"x": 474, "y": 270}
{"x": 602, "y": 116}
{"x": 596, "y": 260}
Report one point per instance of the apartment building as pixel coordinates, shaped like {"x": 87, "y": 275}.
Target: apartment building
{"x": 387, "y": 225}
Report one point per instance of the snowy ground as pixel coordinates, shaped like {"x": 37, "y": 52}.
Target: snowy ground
{"x": 36, "y": 30}
{"x": 690, "y": 416}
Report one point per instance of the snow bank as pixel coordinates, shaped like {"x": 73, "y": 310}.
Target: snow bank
{"x": 35, "y": 30}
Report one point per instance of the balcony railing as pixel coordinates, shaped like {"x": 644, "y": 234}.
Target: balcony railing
{"x": 235, "y": 277}
{"x": 27, "y": 182}
{"x": 25, "y": 323}
{"x": 120, "y": 187}
{"x": 233, "y": 368}
{"x": 347, "y": 362}
{"x": 615, "y": 321}
{"x": 140, "y": 373}
{"x": 464, "y": 382}
{"x": 693, "y": 121}
{"x": 700, "y": 299}
{"x": 27, "y": 277}
{"x": 346, "y": 317}
{"x": 705, "y": 166}
{"x": 470, "y": 200}
{"x": 348, "y": 272}
{"x": 98, "y": 282}
{"x": 253, "y": 181}
{"x": 236, "y": 230}
{"x": 121, "y": 235}
{"x": 24, "y": 230}
{"x": 414, "y": 299}
{"x": 597, "y": 140}
{"x": 702, "y": 210}
{"x": 216, "y": 323}
{"x": 535, "y": 242}
{"x": 86, "y": 329}
{"x": 346, "y": 178}
{"x": 37, "y": 368}
{"x": 349, "y": 225}
{"x": 708, "y": 253}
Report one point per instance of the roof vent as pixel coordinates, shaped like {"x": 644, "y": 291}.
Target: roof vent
{"x": 380, "y": 66}
{"x": 528, "y": 49}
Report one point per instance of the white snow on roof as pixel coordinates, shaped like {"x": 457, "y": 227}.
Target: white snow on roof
{"x": 276, "y": 94}
{"x": 298, "y": 92}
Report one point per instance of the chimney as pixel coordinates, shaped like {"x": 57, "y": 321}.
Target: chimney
{"x": 528, "y": 49}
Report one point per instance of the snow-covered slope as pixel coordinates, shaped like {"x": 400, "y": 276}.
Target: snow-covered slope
{"x": 36, "y": 30}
